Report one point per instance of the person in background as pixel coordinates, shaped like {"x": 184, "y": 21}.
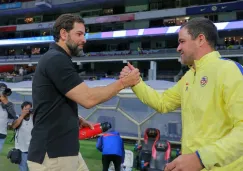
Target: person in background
{"x": 112, "y": 147}
{"x": 23, "y": 126}
{"x": 21, "y": 71}
{"x": 7, "y": 112}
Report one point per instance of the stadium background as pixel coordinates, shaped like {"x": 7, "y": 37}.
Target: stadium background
{"x": 143, "y": 32}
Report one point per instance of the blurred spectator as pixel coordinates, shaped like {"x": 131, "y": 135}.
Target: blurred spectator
{"x": 7, "y": 111}
{"x": 112, "y": 147}
{"x": 23, "y": 126}
{"x": 21, "y": 71}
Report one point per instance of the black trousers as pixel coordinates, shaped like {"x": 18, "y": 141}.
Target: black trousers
{"x": 117, "y": 161}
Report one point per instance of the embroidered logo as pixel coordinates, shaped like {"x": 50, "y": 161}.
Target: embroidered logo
{"x": 204, "y": 81}
{"x": 187, "y": 84}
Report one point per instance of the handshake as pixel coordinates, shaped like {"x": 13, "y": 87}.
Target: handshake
{"x": 129, "y": 76}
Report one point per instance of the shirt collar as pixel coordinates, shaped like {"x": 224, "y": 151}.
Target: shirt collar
{"x": 58, "y": 48}
{"x": 206, "y": 59}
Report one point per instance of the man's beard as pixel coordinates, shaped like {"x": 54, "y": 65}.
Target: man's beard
{"x": 73, "y": 48}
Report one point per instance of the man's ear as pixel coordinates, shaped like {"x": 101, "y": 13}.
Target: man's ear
{"x": 202, "y": 39}
{"x": 63, "y": 34}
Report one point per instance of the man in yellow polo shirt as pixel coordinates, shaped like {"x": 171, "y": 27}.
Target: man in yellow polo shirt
{"x": 210, "y": 95}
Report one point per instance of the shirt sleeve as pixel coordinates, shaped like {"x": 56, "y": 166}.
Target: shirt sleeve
{"x": 99, "y": 143}
{"x": 164, "y": 102}
{"x": 60, "y": 70}
{"x": 10, "y": 110}
{"x": 229, "y": 148}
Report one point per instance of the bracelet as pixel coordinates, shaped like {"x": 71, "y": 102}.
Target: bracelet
{"x": 198, "y": 155}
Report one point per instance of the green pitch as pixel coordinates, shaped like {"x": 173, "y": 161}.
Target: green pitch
{"x": 87, "y": 148}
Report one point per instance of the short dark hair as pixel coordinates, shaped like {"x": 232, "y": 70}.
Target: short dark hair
{"x": 203, "y": 26}
{"x": 25, "y": 103}
{"x": 65, "y": 21}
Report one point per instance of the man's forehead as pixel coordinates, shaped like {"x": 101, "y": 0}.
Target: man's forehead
{"x": 78, "y": 26}
{"x": 183, "y": 33}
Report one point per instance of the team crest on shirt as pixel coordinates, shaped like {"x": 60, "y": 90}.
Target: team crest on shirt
{"x": 187, "y": 84}
{"x": 204, "y": 81}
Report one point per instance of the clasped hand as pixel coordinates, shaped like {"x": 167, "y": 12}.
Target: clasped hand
{"x": 129, "y": 76}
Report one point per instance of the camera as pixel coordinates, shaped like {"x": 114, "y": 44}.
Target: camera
{"x": 4, "y": 90}
{"x": 15, "y": 156}
{"x": 31, "y": 111}
{"x": 7, "y": 92}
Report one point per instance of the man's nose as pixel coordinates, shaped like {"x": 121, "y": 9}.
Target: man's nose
{"x": 84, "y": 41}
